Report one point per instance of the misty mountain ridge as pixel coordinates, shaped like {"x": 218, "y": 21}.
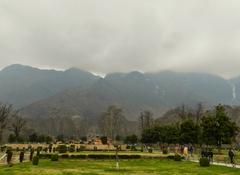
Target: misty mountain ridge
{"x": 22, "y": 85}
{"x": 40, "y": 93}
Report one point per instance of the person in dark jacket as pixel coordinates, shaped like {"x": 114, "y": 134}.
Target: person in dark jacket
{"x": 231, "y": 155}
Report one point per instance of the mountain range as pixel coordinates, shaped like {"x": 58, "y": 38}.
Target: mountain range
{"x": 42, "y": 93}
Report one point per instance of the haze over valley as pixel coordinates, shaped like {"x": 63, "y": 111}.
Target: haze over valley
{"x": 39, "y": 93}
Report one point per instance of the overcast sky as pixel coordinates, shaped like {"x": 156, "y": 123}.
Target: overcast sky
{"x": 122, "y": 35}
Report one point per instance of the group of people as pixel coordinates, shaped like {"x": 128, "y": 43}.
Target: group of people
{"x": 187, "y": 152}
{"x": 209, "y": 154}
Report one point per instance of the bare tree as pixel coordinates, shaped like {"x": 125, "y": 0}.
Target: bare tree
{"x": 146, "y": 120}
{"x": 17, "y": 124}
{"x": 181, "y": 111}
{"x": 199, "y": 112}
{"x": 5, "y": 113}
{"x": 111, "y": 122}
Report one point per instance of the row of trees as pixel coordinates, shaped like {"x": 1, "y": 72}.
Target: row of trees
{"x": 112, "y": 123}
{"x": 212, "y": 128}
{"x": 198, "y": 127}
{"x": 11, "y": 121}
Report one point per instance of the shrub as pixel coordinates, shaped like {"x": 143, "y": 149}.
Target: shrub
{"x": 45, "y": 156}
{"x": 35, "y": 160}
{"x": 9, "y": 156}
{"x": 45, "y": 149}
{"x": 82, "y": 148}
{"x": 21, "y": 156}
{"x": 38, "y": 153}
{"x": 39, "y": 148}
{"x": 105, "y": 156}
{"x": 78, "y": 156}
{"x": 98, "y": 156}
{"x": 204, "y": 162}
{"x": 50, "y": 148}
{"x": 62, "y": 148}
{"x": 3, "y": 148}
{"x": 177, "y": 157}
{"x": 31, "y": 154}
{"x": 54, "y": 157}
{"x": 129, "y": 156}
{"x": 104, "y": 140}
{"x": 133, "y": 148}
{"x": 171, "y": 157}
{"x": 165, "y": 151}
{"x": 150, "y": 150}
{"x": 64, "y": 156}
{"x": 72, "y": 148}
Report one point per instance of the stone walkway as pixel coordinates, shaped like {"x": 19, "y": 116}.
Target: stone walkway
{"x": 219, "y": 164}
{"x": 15, "y": 159}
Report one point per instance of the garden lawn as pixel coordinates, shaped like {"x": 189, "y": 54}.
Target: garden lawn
{"x": 104, "y": 167}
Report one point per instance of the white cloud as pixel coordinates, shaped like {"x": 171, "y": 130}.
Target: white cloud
{"x": 122, "y": 35}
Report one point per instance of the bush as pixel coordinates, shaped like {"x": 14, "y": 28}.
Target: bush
{"x": 3, "y": 148}
{"x": 105, "y": 156}
{"x": 31, "y": 154}
{"x": 62, "y": 148}
{"x": 82, "y": 148}
{"x": 99, "y": 156}
{"x": 177, "y": 157}
{"x": 50, "y": 148}
{"x": 165, "y": 151}
{"x": 104, "y": 140}
{"x": 133, "y": 148}
{"x": 129, "y": 156}
{"x": 21, "y": 156}
{"x": 131, "y": 139}
{"x": 54, "y": 157}
{"x": 78, "y": 156}
{"x": 150, "y": 150}
{"x": 45, "y": 150}
{"x": 45, "y": 156}
{"x": 204, "y": 162}
{"x": 65, "y": 156}
{"x": 9, "y": 156}
{"x": 72, "y": 148}
{"x": 35, "y": 160}
{"x": 171, "y": 157}
{"x": 39, "y": 148}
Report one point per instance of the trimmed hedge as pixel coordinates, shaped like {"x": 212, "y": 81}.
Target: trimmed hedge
{"x": 35, "y": 160}
{"x": 45, "y": 156}
{"x": 204, "y": 162}
{"x": 129, "y": 156}
{"x": 62, "y": 148}
{"x": 71, "y": 149}
{"x": 99, "y": 156}
{"x": 79, "y": 156}
{"x": 177, "y": 157}
{"x": 165, "y": 151}
{"x": 54, "y": 157}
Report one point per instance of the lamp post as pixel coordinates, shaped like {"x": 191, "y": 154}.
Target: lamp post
{"x": 116, "y": 155}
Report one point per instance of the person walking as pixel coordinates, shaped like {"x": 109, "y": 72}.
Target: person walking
{"x": 185, "y": 152}
{"x": 191, "y": 151}
{"x": 231, "y": 155}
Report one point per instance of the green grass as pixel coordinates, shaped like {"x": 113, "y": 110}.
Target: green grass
{"x": 105, "y": 167}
